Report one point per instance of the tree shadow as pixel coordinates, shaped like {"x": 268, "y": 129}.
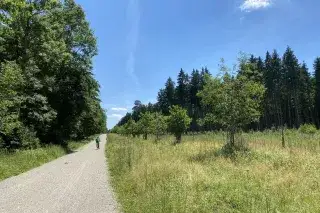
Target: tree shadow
{"x": 67, "y": 149}
{"x": 226, "y": 151}
{"x": 205, "y": 156}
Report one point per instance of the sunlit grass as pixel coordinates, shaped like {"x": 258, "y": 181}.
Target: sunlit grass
{"x": 195, "y": 177}
{"x": 12, "y": 164}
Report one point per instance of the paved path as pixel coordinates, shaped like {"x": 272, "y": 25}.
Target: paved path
{"x": 75, "y": 183}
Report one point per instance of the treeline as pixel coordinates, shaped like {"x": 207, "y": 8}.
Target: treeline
{"x": 47, "y": 90}
{"x": 291, "y": 97}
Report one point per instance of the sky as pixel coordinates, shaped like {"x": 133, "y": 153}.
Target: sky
{"x": 143, "y": 42}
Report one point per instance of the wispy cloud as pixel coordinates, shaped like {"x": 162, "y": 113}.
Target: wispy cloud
{"x": 133, "y": 17}
{"x": 118, "y": 116}
{"x": 119, "y": 109}
{"x": 250, "y": 5}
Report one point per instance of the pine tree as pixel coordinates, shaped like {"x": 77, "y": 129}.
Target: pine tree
{"x": 195, "y": 105}
{"x": 316, "y": 66}
{"x": 305, "y": 93}
{"x": 291, "y": 70}
{"x": 182, "y": 89}
{"x": 166, "y": 96}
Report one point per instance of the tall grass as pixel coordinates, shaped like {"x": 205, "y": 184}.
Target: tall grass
{"x": 195, "y": 177}
{"x": 12, "y": 164}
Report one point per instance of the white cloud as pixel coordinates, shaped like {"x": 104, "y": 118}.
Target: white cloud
{"x": 250, "y": 5}
{"x": 118, "y": 116}
{"x": 133, "y": 17}
{"x": 119, "y": 109}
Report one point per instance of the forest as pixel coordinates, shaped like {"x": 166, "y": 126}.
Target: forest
{"x": 290, "y": 96}
{"x": 48, "y": 94}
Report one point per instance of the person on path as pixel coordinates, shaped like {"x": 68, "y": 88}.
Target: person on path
{"x": 97, "y": 142}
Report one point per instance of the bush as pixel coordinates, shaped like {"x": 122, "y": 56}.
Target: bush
{"x": 28, "y": 138}
{"x": 19, "y": 138}
{"x": 308, "y": 129}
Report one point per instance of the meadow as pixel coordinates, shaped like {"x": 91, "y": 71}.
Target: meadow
{"x": 195, "y": 176}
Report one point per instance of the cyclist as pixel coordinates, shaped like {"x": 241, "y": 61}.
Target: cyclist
{"x": 97, "y": 142}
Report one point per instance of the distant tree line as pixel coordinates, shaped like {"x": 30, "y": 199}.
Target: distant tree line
{"x": 291, "y": 94}
{"x": 47, "y": 90}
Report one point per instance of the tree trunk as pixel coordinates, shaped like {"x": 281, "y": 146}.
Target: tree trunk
{"x": 232, "y": 133}
{"x": 178, "y": 138}
{"x": 282, "y": 137}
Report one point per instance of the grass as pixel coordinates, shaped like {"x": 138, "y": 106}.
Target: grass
{"x": 195, "y": 177}
{"x": 12, "y": 164}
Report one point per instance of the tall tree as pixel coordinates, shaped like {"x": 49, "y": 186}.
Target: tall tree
{"x": 166, "y": 96}
{"x": 52, "y": 44}
{"x": 182, "y": 89}
{"x": 291, "y": 70}
{"x": 306, "y": 94}
{"x": 316, "y": 66}
{"x": 195, "y": 105}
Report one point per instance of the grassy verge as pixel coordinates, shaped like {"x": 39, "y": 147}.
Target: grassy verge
{"x": 12, "y": 164}
{"x": 194, "y": 177}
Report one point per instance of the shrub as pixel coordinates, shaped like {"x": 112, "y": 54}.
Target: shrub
{"x": 178, "y": 122}
{"x": 308, "y": 129}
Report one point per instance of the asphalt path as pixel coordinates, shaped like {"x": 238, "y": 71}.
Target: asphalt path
{"x": 75, "y": 183}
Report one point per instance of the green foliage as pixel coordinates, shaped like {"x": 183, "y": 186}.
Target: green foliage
{"x": 146, "y": 124}
{"x": 233, "y": 101}
{"x": 291, "y": 98}
{"x": 160, "y": 125}
{"x": 308, "y": 129}
{"x": 47, "y": 90}
{"x": 178, "y": 121}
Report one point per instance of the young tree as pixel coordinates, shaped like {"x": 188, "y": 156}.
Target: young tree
{"x": 130, "y": 127}
{"x": 145, "y": 124}
{"x": 178, "y": 121}
{"x": 159, "y": 125}
{"x": 233, "y": 102}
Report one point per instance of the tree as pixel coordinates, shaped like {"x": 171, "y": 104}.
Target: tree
{"x": 182, "y": 89}
{"x": 146, "y": 124}
{"x": 291, "y": 70}
{"x": 166, "y": 96}
{"x": 305, "y": 95}
{"x": 234, "y": 101}
{"x": 195, "y": 106}
{"x": 178, "y": 121}
{"x": 131, "y": 127}
{"x": 316, "y": 66}
{"x": 159, "y": 125}
{"x": 51, "y": 44}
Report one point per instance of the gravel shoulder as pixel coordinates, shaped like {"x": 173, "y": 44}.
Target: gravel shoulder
{"x": 75, "y": 183}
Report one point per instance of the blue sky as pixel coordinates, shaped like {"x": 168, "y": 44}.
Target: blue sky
{"x": 143, "y": 42}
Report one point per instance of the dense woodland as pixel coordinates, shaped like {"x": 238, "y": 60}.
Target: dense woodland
{"x": 291, "y": 95}
{"x": 47, "y": 90}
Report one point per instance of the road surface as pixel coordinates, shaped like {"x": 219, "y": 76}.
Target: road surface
{"x": 75, "y": 183}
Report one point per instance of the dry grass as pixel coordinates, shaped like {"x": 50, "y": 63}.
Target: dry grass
{"x": 195, "y": 177}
